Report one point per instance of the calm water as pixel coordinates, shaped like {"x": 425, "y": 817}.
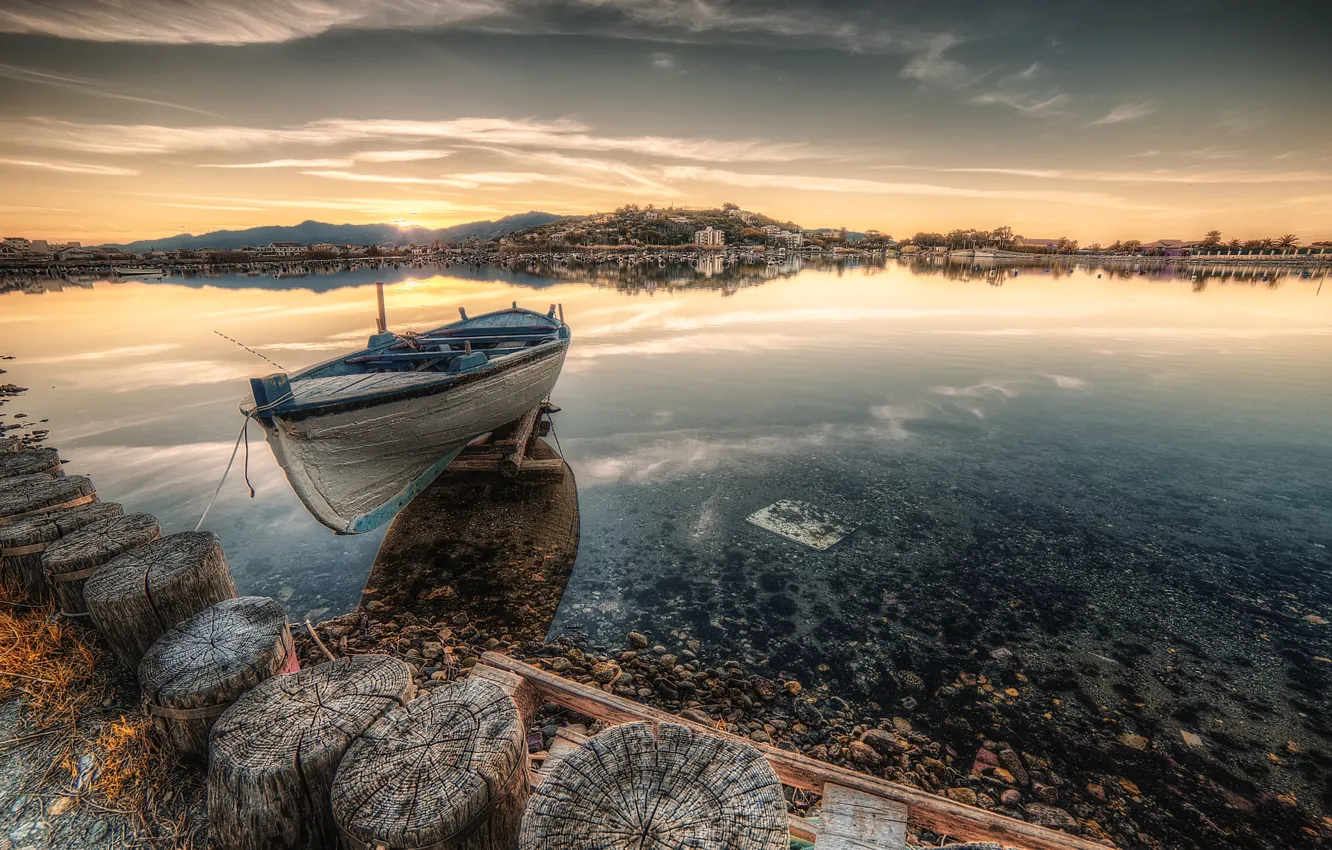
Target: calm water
{"x": 1125, "y": 481}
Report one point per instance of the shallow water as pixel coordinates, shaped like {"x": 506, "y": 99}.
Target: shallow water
{"x": 1123, "y": 480}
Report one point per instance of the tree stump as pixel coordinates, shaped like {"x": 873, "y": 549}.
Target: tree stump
{"x": 29, "y": 495}
{"x": 198, "y": 667}
{"x": 643, "y": 786}
{"x": 31, "y": 462}
{"x": 448, "y": 772}
{"x": 23, "y": 542}
{"x": 137, "y": 596}
{"x": 69, "y": 562}
{"x": 273, "y": 754}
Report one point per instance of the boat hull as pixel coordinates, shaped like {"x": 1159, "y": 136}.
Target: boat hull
{"x": 356, "y": 468}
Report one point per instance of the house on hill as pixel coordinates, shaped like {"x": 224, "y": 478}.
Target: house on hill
{"x": 709, "y": 238}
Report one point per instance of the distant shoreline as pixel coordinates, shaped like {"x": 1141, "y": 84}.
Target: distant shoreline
{"x": 596, "y": 255}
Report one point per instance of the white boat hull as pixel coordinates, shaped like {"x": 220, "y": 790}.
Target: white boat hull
{"x": 355, "y": 469}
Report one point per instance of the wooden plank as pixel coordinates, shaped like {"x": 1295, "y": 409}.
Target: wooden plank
{"x": 533, "y": 471}
{"x": 936, "y": 813}
{"x": 854, "y": 820}
{"x": 515, "y": 445}
{"x": 565, "y": 741}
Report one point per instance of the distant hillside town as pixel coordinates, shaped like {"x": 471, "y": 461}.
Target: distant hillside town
{"x": 630, "y": 227}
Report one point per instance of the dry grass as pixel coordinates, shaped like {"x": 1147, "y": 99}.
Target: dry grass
{"x": 99, "y": 753}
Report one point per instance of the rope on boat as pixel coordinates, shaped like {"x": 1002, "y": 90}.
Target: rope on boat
{"x": 247, "y": 348}
{"x": 243, "y": 435}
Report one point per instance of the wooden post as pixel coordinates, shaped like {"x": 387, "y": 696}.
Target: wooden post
{"x": 383, "y": 317}
{"x": 198, "y": 667}
{"x": 448, "y": 771}
{"x": 667, "y": 785}
{"x": 139, "y": 595}
{"x": 30, "y": 495}
{"x": 23, "y": 542}
{"x": 68, "y": 563}
{"x": 30, "y": 462}
{"x": 272, "y": 755}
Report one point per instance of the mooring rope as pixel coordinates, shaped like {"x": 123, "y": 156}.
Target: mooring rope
{"x": 247, "y": 348}
{"x": 243, "y": 435}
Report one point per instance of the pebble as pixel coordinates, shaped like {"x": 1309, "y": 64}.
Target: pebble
{"x": 1011, "y": 798}
{"x": 962, "y": 795}
{"x": 637, "y": 641}
{"x": 1051, "y": 817}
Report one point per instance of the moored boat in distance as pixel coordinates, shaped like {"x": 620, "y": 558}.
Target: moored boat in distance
{"x": 360, "y": 435}
{"x": 138, "y": 271}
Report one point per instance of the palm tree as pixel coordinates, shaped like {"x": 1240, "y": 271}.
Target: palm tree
{"x": 1212, "y": 239}
{"x": 1290, "y": 240}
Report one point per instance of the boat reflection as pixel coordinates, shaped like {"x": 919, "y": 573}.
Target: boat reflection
{"x": 480, "y": 552}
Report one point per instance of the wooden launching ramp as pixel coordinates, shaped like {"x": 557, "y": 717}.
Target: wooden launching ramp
{"x": 859, "y": 812}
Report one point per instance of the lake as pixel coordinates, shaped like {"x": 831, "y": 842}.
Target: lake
{"x": 1110, "y": 492}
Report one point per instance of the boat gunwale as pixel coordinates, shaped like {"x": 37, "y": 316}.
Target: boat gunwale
{"x": 299, "y": 412}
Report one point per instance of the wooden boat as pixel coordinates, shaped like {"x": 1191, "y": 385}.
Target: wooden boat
{"x": 138, "y": 271}
{"x": 360, "y": 435}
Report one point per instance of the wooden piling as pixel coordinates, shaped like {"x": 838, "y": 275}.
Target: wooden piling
{"x": 273, "y": 754}
{"x": 448, "y": 772}
{"x": 137, "y": 596}
{"x": 31, "y": 462}
{"x": 23, "y": 542}
{"x": 669, "y": 784}
{"x": 198, "y": 667}
{"x": 68, "y": 563}
{"x": 30, "y": 495}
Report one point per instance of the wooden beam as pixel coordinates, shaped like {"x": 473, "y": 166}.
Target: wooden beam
{"x": 931, "y": 811}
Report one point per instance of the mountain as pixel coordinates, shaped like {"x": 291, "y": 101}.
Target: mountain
{"x": 344, "y": 234}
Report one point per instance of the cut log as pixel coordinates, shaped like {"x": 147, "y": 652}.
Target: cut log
{"x": 273, "y": 754}
{"x": 29, "y": 495}
{"x": 69, "y": 562}
{"x": 448, "y": 772}
{"x": 640, "y": 785}
{"x": 137, "y": 596}
{"x": 22, "y": 543}
{"x": 197, "y": 668}
{"x": 31, "y": 462}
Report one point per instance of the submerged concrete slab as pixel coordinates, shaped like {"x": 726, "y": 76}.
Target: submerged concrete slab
{"x": 802, "y": 523}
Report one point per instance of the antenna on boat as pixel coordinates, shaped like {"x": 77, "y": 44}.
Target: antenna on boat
{"x": 383, "y": 318}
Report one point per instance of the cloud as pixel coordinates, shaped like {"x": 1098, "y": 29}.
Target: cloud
{"x": 212, "y": 207}
{"x": 662, "y": 61}
{"x": 1161, "y": 175}
{"x": 559, "y": 134}
{"x": 400, "y": 156}
{"x": 85, "y": 86}
{"x": 933, "y": 66}
{"x": 1037, "y": 106}
{"x": 1064, "y": 382}
{"x": 353, "y": 177}
{"x": 72, "y": 167}
{"x": 876, "y": 187}
{"x": 283, "y": 163}
{"x": 1124, "y": 112}
{"x": 233, "y": 22}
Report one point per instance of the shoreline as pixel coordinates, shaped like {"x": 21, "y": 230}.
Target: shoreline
{"x": 747, "y": 255}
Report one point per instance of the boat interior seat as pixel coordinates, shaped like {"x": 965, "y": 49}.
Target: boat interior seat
{"x": 467, "y": 361}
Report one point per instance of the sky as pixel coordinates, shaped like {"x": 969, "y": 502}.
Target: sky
{"x": 1097, "y": 121}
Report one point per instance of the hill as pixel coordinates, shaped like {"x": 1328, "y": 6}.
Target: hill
{"x": 345, "y": 234}
{"x": 634, "y": 225}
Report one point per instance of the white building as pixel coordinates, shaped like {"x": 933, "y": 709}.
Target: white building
{"x": 18, "y": 242}
{"x": 791, "y": 238}
{"x": 286, "y": 249}
{"x": 325, "y": 247}
{"x": 709, "y": 238}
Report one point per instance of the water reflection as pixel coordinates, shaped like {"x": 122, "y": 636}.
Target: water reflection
{"x": 496, "y": 553}
{"x": 1082, "y": 464}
